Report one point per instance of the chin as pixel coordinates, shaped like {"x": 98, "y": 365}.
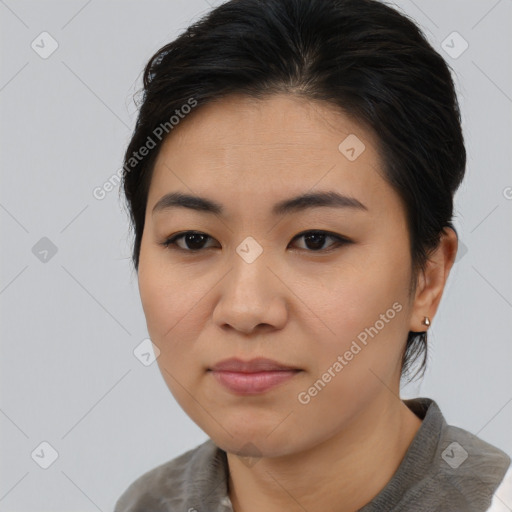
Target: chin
{"x": 256, "y": 443}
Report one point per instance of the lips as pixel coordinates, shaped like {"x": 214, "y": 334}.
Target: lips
{"x": 252, "y": 377}
{"x": 259, "y": 364}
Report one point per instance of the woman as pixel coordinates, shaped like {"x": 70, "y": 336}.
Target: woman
{"x": 290, "y": 181}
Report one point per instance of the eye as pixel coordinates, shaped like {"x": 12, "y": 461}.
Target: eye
{"x": 194, "y": 241}
{"x": 315, "y": 240}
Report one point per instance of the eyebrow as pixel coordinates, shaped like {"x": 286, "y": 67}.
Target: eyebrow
{"x": 295, "y": 204}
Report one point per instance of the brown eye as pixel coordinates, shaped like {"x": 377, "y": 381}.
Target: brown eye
{"x": 194, "y": 241}
{"x": 315, "y": 240}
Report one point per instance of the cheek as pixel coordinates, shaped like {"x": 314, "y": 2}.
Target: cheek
{"x": 362, "y": 313}
{"x": 172, "y": 324}
{"x": 158, "y": 302}
{"x": 167, "y": 297}
{"x": 355, "y": 296}
{"x": 175, "y": 305}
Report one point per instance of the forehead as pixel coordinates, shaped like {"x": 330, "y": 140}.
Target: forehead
{"x": 247, "y": 151}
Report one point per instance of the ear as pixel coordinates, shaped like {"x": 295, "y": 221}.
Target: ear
{"x": 430, "y": 284}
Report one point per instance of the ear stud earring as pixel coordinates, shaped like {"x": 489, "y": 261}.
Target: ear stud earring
{"x": 426, "y": 321}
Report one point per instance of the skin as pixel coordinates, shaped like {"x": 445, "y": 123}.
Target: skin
{"x": 297, "y": 305}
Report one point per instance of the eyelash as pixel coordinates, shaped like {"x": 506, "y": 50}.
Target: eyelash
{"x": 170, "y": 243}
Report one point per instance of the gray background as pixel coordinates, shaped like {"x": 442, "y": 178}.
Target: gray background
{"x": 71, "y": 322}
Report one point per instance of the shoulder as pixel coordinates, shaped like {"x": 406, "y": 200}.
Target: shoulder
{"x": 469, "y": 469}
{"x": 447, "y": 467}
{"x": 502, "y": 498}
{"x": 460, "y": 449}
{"x": 168, "y": 486}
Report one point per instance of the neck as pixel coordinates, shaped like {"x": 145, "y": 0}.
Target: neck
{"x": 343, "y": 473}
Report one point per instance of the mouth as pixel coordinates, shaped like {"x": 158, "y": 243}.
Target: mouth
{"x": 259, "y": 364}
{"x": 252, "y": 377}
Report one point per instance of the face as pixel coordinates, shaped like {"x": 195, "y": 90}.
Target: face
{"x": 320, "y": 287}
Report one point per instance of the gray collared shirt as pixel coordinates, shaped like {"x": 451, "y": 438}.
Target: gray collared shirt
{"x": 445, "y": 469}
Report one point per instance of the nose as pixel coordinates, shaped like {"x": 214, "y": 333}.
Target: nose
{"x": 252, "y": 298}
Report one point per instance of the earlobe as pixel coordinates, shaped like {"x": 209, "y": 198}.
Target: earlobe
{"x": 432, "y": 281}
